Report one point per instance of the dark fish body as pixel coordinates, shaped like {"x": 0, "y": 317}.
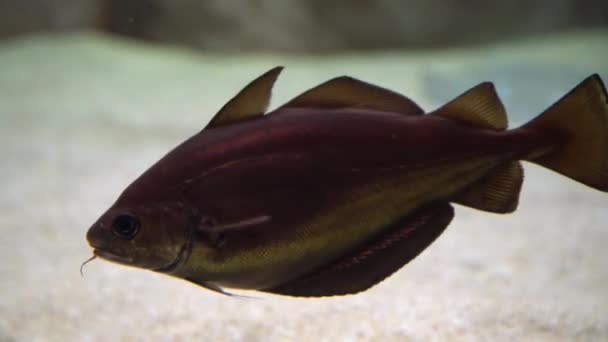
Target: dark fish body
{"x": 298, "y": 166}
{"x": 337, "y": 189}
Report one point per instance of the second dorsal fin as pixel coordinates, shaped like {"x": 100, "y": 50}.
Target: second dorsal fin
{"x": 478, "y": 106}
{"x": 346, "y": 91}
{"x": 251, "y": 101}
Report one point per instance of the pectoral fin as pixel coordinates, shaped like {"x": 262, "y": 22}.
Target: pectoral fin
{"x": 215, "y": 231}
{"x": 372, "y": 263}
{"x": 213, "y": 227}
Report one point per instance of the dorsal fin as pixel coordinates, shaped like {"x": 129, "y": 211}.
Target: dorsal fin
{"x": 478, "y": 106}
{"x": 346, "y": 91}
{"x": 251, "y": 101}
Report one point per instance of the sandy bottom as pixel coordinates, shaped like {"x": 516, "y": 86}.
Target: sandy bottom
{"x": 81, "y": 116}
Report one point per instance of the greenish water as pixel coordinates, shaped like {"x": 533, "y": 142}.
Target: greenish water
{"x": 93, "y": 77}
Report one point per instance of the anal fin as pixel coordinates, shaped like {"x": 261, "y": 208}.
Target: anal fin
{"x": 372, "y": 263}
{"x": 497, "y": 192}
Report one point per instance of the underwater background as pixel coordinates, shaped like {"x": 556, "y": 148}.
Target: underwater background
{"x": 94, "y": 92}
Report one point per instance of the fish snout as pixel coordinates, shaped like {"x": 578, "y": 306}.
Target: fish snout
{"x": 104, "y": 245}
{"x": 95, "y": 235}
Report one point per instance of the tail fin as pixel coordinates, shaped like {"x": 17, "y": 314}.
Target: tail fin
{"x": 581, "y": 118}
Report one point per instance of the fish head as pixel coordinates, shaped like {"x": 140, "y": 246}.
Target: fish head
{"x": 154, "y": 236}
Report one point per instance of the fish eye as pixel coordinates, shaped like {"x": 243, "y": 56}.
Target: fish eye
{"x": 125, "y": 226}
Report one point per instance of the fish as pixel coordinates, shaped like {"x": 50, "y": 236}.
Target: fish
{"x": 335, "y": 190}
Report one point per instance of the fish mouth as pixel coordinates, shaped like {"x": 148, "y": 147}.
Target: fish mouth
{"x": 181, "y": 257}
{"x": 112, "y": 257}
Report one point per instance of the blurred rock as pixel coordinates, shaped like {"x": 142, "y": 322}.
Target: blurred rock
{"x": 313, "y": 25}
{"x": 23, "y": 16}
{"x": 318, "y": 25}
